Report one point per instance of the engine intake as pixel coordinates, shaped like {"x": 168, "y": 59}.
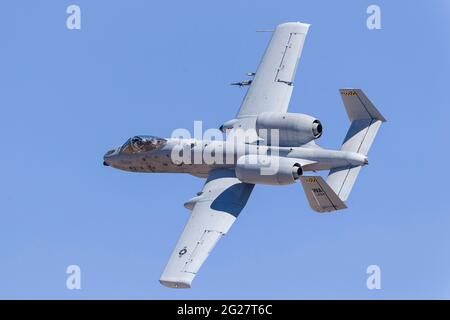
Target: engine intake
{"x": 317, "y": 129}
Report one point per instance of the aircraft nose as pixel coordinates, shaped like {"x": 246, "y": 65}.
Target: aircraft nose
{"x": 108, "y": 155}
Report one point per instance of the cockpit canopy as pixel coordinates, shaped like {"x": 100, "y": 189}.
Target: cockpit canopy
{"x": 139, "y": 144}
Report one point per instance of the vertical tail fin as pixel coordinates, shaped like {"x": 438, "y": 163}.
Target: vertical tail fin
{"x": 320, "y": 196}
{"x": 365, "y": 122}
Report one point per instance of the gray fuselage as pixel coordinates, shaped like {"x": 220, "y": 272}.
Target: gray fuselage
{"x": 199, "y": 157}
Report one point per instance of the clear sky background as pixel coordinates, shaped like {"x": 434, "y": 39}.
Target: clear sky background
{"x": 148, "y": 67}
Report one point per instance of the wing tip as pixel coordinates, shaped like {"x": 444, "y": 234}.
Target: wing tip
{"x": 299, "y": 27}
{"x": 176, "y": 283}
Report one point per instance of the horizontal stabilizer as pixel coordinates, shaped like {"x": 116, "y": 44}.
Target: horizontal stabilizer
{"x": 320, "y": 196}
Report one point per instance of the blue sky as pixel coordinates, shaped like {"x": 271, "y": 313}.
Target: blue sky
{"x": 141, "y": 67}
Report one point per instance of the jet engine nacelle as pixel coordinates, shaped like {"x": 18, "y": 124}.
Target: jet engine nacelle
{"x": 272, "y": 170}
{"x": 294, "y": 129}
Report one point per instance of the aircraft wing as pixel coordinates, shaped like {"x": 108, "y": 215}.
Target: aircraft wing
{"x": 213, "y": 212}
{"x": 271, "y": 88}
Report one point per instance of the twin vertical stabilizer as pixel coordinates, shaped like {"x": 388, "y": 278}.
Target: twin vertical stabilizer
{"x": 365, "y": 122}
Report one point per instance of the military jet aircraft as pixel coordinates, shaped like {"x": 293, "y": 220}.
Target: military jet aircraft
{"x": 292, "y": 151}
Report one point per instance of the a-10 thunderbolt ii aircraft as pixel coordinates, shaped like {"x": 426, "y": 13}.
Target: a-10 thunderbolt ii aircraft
{"x": 292, "y": 151}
